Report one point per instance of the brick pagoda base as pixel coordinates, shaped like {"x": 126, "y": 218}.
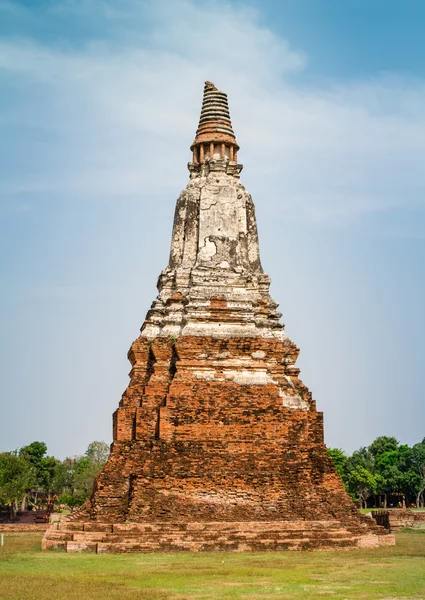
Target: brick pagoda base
{"x": 220, "y": 536}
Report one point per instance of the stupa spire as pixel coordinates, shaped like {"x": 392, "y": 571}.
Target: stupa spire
{"x": 215, "y": 138}
{"x": 214, "y": 245}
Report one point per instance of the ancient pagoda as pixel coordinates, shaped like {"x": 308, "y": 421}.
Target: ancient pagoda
{"x": 217, "y": 443}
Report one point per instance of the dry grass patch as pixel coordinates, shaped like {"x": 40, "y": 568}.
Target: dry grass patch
{"x": 397, "y": 572}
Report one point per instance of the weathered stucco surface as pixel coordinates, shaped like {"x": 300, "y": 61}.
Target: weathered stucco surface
{"x": 214, "y": 254}
{"x": 217, "y": 441}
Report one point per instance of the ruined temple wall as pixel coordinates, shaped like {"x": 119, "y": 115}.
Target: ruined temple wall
{"x": 196, "y": 444}
{"x": 163, "y": 372}
{"x": 215, "y": 480}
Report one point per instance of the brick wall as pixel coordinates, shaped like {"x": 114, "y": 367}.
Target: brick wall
{"x": 192, "y": 444}
{"x": 16, "y": 527}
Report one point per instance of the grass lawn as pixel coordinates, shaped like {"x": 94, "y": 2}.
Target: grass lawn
{"x": 391, "y": 573}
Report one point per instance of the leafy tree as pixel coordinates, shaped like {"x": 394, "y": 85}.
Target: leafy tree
{"x": 63, "y": 477}
{"x": 361, "y": 458}
{"x": 382, "y": 445}
{"x": 34, "y": 452}
{"x": 385, "y": 467}
{"x": 45, "y": 474}
{"x": 397, "y": 472}
{"x": 340, "y": 460}
{"x": 417, "y": 460}
{"x": 83, "y": 472}
{"x": 391, "y": 458}
{"x": 391, "y": 481}
{"x": 98, "y": 452}
{"x": 16, "y": 477}
{"x": 44, "y": 467}
{"x": 387, "y": 474}
{"x": 361, "y": 483}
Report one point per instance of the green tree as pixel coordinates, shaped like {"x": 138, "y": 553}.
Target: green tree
{"x": 34, "y": 452}
{"x": 84, "y": 471}
{"x": 391, "y": 482}
{"x": 98, "y": 452}
{"x": 396, "y": 471}
{"x": 362, "y": 484}
{"x": 44, "y": 467}
{"x": 63, "y": 478}
{"x": 417, "y": 462}
{"x": 386, "y": 467}
{"x": 361, "y": 458}
{"x": 16, "y": 477}
{"x": 382, "y": 445}
{"x": 340, "y": 460}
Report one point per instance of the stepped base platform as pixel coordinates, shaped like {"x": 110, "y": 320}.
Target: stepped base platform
{"x": 213, "y": 536}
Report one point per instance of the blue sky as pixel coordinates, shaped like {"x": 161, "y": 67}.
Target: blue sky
{"x": 354, "y": 38}
{"x": 99, "y": 104}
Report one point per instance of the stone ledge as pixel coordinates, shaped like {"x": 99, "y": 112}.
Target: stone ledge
{"x": 16, "y": 527}
{"x": 213, "y": 536}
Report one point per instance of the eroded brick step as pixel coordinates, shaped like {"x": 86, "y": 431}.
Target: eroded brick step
{"x": 260, "y": 545}
{"x": 212, "y": 526}
{"x": 181, "y": 543}
{"x": 81, "y": 546}
{"x": 213, "y": 536}
{"x": 78, "y": 526}
{"x": 202, "y": 535}
{"x": 60, "y": 535}
{"x": 47, "y": 544}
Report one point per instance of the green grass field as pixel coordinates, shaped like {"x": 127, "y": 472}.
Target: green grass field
{"x": 391, "y": 573}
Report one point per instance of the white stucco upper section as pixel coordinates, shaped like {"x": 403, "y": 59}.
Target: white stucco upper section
{"x": 214, "y": 255}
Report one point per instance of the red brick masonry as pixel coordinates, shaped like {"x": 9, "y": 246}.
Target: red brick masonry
{"x": 209, "y": 454}
{"x": 21, "y": 527}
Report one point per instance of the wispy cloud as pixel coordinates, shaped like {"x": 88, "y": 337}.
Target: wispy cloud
{"x": 111, "y": 107}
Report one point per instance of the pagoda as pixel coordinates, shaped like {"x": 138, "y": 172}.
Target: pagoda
{"x": 217, "y": 443}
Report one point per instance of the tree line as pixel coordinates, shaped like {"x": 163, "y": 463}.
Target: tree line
{"x": 30, "y": 479}
{"x": 384, "y": 474}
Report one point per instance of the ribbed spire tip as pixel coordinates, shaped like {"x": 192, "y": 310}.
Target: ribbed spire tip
{"x": 215, "y": 125}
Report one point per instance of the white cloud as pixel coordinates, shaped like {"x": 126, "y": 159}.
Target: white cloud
{"x": 115, "y": 106}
